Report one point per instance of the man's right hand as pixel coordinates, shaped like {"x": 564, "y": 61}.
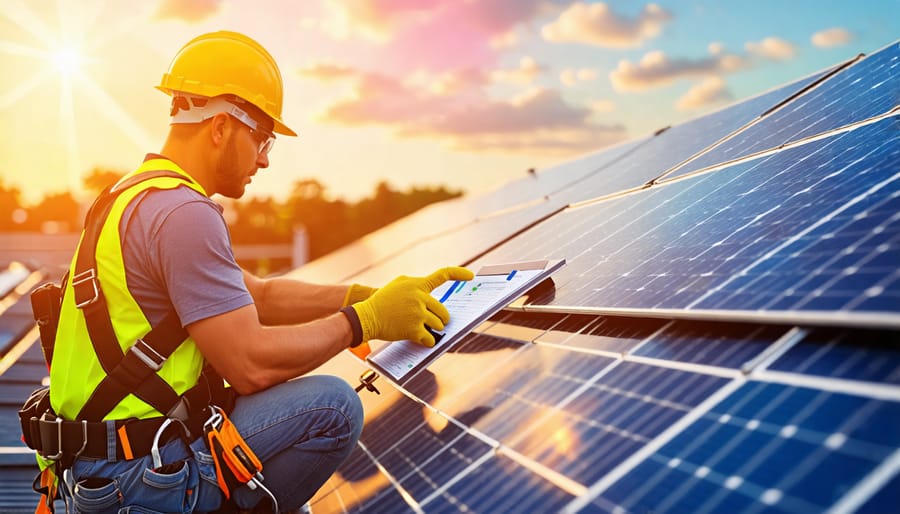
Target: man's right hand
{"x": 401, "y": 309}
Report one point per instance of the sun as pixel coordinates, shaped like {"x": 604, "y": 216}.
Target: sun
{"x": 67, "y": 60}
{"x": 63, "y": 40}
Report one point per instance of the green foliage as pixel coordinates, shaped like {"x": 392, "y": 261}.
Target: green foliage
{"x": 329, "y": 224}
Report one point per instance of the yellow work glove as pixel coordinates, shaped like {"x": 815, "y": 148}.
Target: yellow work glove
{"x": 401, "y": 309}
{"x": 357, "y": 293}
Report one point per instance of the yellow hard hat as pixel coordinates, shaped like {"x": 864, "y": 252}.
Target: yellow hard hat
{"x": 228, "y": 63}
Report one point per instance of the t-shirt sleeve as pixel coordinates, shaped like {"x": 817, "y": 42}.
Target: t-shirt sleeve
{"x": 193, "y": 251}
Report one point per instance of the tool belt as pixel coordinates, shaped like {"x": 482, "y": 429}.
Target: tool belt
{"x": 64, "y": 440}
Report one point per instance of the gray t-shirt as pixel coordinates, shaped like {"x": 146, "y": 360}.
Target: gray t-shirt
{"x": 177, "y": 254}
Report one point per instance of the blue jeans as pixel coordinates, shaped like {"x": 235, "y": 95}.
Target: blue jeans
{"x": 301, "y": 431}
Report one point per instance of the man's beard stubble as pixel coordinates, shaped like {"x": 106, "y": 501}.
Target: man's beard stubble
{"x": 229, "y": 177}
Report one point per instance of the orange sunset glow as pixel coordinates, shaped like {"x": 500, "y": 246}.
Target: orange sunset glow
{"x": 464, "y": 94}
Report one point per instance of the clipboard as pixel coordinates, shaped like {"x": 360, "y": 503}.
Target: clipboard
{"x": 470, "y": 303}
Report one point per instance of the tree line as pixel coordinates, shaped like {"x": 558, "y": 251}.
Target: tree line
{"x": 329, "y": 223}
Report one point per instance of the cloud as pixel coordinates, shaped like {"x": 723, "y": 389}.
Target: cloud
{"x": 603, "y": 106}
{"x": 525, "y": 73}
{"x": 571, "y": 77}
{"x": 596, "y": 24}
{"x": 187, "y": 10}
{"x": 829, "y": 38}
{"x": 710, "y": 91}
{"x": 655, "y": 69}
{"x": 508, "y": 39}
{"x": 539, "y": 122}
{"x": 383, "y": 19}
{"x": 327, "y": 72}
{"x": 771, "y": 48}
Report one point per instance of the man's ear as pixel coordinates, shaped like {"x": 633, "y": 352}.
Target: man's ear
{"x": 218, "y": 129}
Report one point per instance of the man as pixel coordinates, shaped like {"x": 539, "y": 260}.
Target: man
{"x": 162, "y": 254}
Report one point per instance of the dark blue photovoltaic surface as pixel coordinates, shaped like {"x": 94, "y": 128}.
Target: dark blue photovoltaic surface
{"x": 678, "y": 143}
{"x": 499, "y": 485}
{"x": 713, "y": 344}
{"x": 765, "y": 446}
{"x": 809, "y": 228}
{"x": 844, "y": 262}
{"x": 439, "y": 465}
{"x": 867, "y": 89}
{"x": 868, "y": 355}
{"x": 618, "y": 414}
{"x": 885, "y": 500}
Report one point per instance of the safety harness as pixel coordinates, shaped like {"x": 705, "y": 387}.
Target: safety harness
{"x": 133, "y": 371}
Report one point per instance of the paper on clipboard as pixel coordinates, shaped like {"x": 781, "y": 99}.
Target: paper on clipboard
{"x": 469, "y": 303}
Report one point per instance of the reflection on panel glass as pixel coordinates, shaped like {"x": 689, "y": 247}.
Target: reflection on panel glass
{"x": 866, "y": 89}
{"x": 867, "y": 355}
{"x": 527, "y": 388}
{"x": 524, "y": 327}
{"x": 457, "y": 246}
{"x": 614, "y": 417}
{"x": 571, "y": 325}
{"x": 767, "y": 446}
{"x": 728, "y": 345}
{"x": 612, "y": 334}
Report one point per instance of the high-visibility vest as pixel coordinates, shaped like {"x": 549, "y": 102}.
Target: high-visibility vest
{"x": 76, "y": 370}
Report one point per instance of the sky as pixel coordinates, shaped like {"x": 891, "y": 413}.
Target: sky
{"x": 469, "y": 94}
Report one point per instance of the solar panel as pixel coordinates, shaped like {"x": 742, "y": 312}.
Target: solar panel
{"x": 676, "y": 144}
{"x": 866, "y": 89}
{"x": 714, "y": 394}
{"x": 766, "y": 446}
{"x": 865, "y": 355}
{"x": 730, "y": 345}
{"x": 810, "y": 228}
{"x": 456, "y": 246}
{"x": 533, "y": 196}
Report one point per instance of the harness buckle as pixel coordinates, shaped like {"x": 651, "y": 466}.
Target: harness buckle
{"x": 147, "y": 355}
{"x": 59, "y": 438}
{"x": 86, "y": 277}
{"x": 60, "y": 451}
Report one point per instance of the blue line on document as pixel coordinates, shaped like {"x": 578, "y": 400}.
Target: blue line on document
{"x": 449, "y": 291}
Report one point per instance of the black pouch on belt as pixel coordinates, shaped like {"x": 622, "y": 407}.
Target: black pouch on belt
{"x": 46, "y": 302}
{"x": 35, "y": 406}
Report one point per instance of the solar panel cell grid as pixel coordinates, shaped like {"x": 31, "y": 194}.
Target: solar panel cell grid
{"x": 714, "y": 344}
{"x": 767, "y": 446}
{"x": 678, "y": 143}
{"x": 442, "y": 466}
{"x": 739, "y": 231}
{"x": 866, "y": 89}
{"x": 865, "y": 355}
{"x": 499, "y": 485}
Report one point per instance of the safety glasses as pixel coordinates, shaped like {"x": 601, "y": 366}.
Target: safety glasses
{"x": 265, "y": 140}
{"x": 192, "y": 109}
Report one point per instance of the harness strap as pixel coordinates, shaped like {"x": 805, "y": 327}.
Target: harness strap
{"x": 133, "y": 372}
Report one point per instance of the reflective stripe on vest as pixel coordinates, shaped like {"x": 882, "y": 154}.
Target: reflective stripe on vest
{"x": 76, "y": 370}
